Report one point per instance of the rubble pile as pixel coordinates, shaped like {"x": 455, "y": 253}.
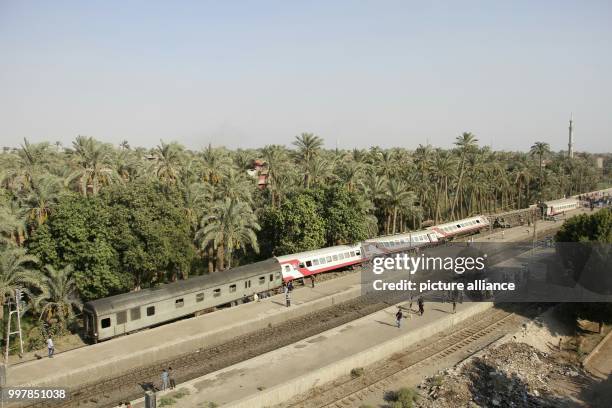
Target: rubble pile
{"x": 510, "y": 375}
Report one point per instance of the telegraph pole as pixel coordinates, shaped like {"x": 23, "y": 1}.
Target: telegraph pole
{"x": 16, "y": 311}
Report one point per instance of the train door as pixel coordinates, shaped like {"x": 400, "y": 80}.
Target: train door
{"x": 121, "y": 320}
{"x": 88, "y": 324}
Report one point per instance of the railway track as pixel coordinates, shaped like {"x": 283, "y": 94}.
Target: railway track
{"x": 490, "y": 325}
{"x": 109, "y": 392}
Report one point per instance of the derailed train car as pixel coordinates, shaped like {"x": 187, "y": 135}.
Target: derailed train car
{"x": 128, "y": 312}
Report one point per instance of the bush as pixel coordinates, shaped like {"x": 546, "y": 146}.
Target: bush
{"x": 166, "y": 401}
{"x": 404, "y": 398}
{"x": 357, "y": 372}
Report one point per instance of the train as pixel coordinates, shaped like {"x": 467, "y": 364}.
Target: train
{"x": 121, "y": 314}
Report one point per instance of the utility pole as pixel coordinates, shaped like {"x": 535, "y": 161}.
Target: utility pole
{"x": 15, "y": 311}
{"x": 570, "y": 144}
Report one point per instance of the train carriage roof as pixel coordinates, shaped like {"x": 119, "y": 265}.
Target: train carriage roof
{"x": 148, "y": 296}
{"x": 560, "y": 202}
{"x": 318, "y": 252}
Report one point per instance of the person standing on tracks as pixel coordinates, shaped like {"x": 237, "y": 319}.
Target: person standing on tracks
{"x": 312, "y": 280}
{"x": 421, "y": 304}
{"x": 50, "y": 347}
{"x": 165, "y": 380}
{"x": 398, "y": 317}
{"x": 290, "y": 286}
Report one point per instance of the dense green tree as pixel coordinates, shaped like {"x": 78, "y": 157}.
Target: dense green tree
{"x": 295, "y": 226}
{"x": 78, "y": 233}
{"x": 584, "y": 246}
{"x": 346, "y": 216}
{"x": 151, "y": 233}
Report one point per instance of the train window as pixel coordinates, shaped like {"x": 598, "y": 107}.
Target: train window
{"x": 278, "y": 276}
{"x": 347, "y": 255}
{"x": 315, "y": 262}
{"x": 308, "y": 263}
{"x": 340, "y": 256}
{"x": 179, "y": 303}
{"x": 301, "y": 264}
{"x": 477, "y": 221}
{"x": 135, "y": 313}
{"x": 262, "y": 280}
{"x": 150, "y": 310}
{"x": 352, "y": 253}
{"x": 247, "y": 284}
{"x": 321, "y": 261}
{"x": 105, "y": 323}
{"x": 199, "y": 297}
{"x": 458, "y": 226}
{"x": 121, "y": 317}
{"x": 328, "y": 259}
{"x": 217, "y": 292}
{"x": 232, "y": 288}
{"x": 287, "y": 268}
{"x": 271, "y": 277}
{"x": 357, "y": 253}
{"x": 335, "y": 257}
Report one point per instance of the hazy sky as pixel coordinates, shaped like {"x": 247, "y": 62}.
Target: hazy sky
{"x": 250, "y": 73}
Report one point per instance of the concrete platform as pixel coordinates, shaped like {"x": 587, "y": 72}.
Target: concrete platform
{"x": 110, "y": 358}
{"x": 275, "y": 377}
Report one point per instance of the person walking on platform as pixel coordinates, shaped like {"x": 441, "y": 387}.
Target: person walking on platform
{"x": 290, "y": 286}
{"x": 288, "y": 298}
{"x": 50, "y": 347}
{"x": 171, "y": 378}
{"x": 312, "y": 281}
{"x": 421, "y": 305}
{"x": 398, "y": 317}
{"x": 165, "y": 380}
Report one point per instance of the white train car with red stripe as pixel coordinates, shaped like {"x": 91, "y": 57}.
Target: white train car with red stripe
{"x": 295, "y": 266}
{"x": 556, "y": 207}
{"x": 453, "y": 229}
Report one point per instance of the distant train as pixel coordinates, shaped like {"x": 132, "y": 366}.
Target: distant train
{"x": 121, "y": 314}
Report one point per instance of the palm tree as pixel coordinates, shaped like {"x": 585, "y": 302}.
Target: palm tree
{"x": 230, "y": 225}
{"x": 466, "y": 143}
{"x": 350, "y": 173}
{"x": 397, "y": 195}
{"x": 59, "y": 294}
{"x": 43, "y": 194}
{"x": 168, "y": 162}
{"x": 540, "y": 149}
{"x": 308, "y": 146}
{"x": 16, "y": 273}
{"x": 215, "y": 163}
{"x": 94, "y": 165}
{"x": 13, "y": 221}
{"x": 275, "y": 158}
{"x": 235, "y": 186}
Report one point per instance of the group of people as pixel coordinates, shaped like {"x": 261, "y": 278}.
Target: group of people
{"x": 400, "y": 314}
{"x": 167, "y": 379}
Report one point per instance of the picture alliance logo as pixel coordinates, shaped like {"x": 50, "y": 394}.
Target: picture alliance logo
{"x": 412, "y": 264}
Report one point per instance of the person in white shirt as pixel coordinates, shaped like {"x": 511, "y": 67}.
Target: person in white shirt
{"x": 50, "y": 347}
